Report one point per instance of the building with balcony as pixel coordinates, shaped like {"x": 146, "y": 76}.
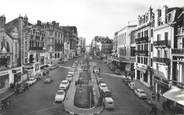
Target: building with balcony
{"x": 177, "y": 47}
{"x": 144, "y": 35}
{"x": 163, "y": 35}
{"x": 54, "y": 41}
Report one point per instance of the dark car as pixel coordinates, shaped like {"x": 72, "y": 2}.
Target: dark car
{"x": 117, "y": 71}
{"x": 21, "y": 87}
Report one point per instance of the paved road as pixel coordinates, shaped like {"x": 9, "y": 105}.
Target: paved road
{"x": 126, "y": 103}
{"x": 39, "y": 99}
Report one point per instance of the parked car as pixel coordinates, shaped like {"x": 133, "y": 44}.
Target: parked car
{"x": 64, "y": 84}
{"x": 69, "y": 77}
{"x": 131, "y": 85}
{"x": 140, "y": 93}
{"x": 126, "y": 80}
{"x": 71, "y": 72}
{"x": 60, "y": 96}
{"x": 108, "y": 103}
{"x": 103, "y": 86}
{"x": 48, "y": 80}
{"x": 117, "y": 71}
{"x": 31, "y": 81}
{"x": 106, "y": 93}
{"x": 21, "y": 87}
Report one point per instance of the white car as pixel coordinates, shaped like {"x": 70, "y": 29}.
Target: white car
{"x": 64, "y": 84}
{"x": 108, "y": 103}
{"x": 71, "y": 72}
{"x": 103, "y": 86}
{"x": 69, "y": 77}
{"x": 140, "y": 93}
{"x": 60, "y": 96}
{"x": 31, "y": 81}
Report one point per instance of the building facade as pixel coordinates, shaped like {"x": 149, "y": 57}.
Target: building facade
{"x": 144, "y": 35}
{"x": 70, "y": 41}
{"x": 54, "y": 41}
{"x": 163, "y": 35}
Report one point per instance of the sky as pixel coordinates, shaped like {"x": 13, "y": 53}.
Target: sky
{"x": 91, "y": 17}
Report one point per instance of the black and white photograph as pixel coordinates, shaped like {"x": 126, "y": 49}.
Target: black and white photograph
{"x": 92, "y": 57}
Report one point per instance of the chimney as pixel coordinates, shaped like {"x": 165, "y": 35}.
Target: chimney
{"x": 39, "y": 23}
{"x": 25, "y": 19}
{"x": 2, "y": 21}
{"x": 164, "y": 12}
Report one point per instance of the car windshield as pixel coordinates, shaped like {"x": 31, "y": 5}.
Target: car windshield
{"x": 60, "y": 92}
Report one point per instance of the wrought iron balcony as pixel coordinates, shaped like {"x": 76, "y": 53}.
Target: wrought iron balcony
{"x": 141, "y": 40}
{"x": 141, "y": 52}
{"x": 178, "y": 51}
{"x": 162, "y": 60}
{"x": 161, "y": 43}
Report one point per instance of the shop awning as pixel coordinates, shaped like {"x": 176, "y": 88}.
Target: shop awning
{"x": 175, "y": 94}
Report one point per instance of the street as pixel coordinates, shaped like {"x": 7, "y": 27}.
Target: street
{"x": 126, "y": 102}
{"x": 39, "y": 98}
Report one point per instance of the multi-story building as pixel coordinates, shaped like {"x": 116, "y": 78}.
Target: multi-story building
{"x": 124, "y": 47}
{"x": 163, "y": 35}
{"x": 177, "y": 47}
{"x": 11, "y": 34}
{"x": 36, "y": 48}
{"x": 54, "y": 40}
{"x": 70, "y": 41}
{"x": 144, "y": 35}
{"x": 107, "y": 46}
{"x": 81, "y": 45}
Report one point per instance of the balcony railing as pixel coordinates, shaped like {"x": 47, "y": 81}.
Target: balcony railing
{"x": 141, "y": 52}
{"x": 142, "y": 39}
{"x": 162, "y": 60}
{"x": 161, "y": 43}
{"x": 178, "y": 51}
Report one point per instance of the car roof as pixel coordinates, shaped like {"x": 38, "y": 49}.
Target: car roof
{"x": 140, "y": 90}
{"x": 109, "y": 99}
{"x": 103, "y": 83}
{"x": 64, "y": 80}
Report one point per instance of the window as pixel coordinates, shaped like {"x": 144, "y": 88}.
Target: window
{"x": 165, "y": 54}
{"x": 158, "y": 37}
{"x": 142, "y": 59}
{"x": 151, "y": 32}
{"x": 145, "y": 61}
{"x": 146, "y": 33}
{"x": 145, "y": 47}
{"x": 158, "y": 53}
{"x": 166, "y": 36}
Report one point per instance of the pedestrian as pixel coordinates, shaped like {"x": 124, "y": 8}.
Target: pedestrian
{"x": 158, "y": 96}
{"x": 153, "y": 110}
{"x": 153, "y": 96}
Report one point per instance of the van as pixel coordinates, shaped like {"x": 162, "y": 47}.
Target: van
{"x": 108, "y": 103}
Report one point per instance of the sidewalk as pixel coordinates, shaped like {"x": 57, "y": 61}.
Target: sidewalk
{"x": 69, "y": 101}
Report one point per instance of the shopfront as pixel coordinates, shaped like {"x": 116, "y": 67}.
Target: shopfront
{"x": 142, "y": 73}
{"x": 4, "y": 81}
